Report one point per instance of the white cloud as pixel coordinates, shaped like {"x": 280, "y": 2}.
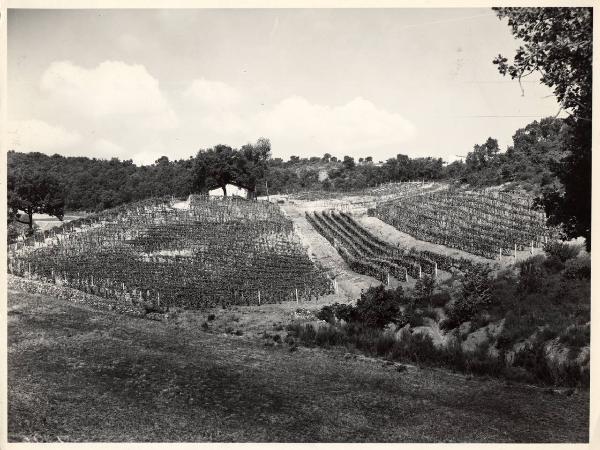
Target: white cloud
{"x": 39, "y": 136}
{"x": 213, "y": 94}
{"x": 112, "y": 90}
{"x": 107, "y": 149}
{"x": 297, "y": 126}
{"x": 150, "y": 153}
{"x": 357, "y": 126}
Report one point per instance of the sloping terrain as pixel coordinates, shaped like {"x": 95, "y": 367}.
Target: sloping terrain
{"x": 212, "y": 251}
{"x": 349, "y": 283}
{"x": 76, "y": 374}
{"x": 482, "y": 222}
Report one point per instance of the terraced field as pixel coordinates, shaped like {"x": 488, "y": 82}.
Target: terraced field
{"x": 486, "y": 223}
{"x": 367, "y": 254}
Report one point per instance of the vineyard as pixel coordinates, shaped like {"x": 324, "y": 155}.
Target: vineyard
{"x": 360, "y": 201}
{"x": 369, "y": 255}
{"x": 486, "y": 223}
{"x": 208, "y": 252}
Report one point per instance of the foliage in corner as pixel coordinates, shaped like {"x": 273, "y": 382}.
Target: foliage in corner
{"x": 557, "y": 43}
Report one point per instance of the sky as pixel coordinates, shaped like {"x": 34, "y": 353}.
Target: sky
{"x": 140, "y": 84}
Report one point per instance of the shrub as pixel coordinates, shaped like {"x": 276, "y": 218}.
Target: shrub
{"x": 449, "y": 323}
{"x": 424, "y": 288}
{"x": 575, "y": 336}
{"x": 326, "y": 314}
{"x": 378, "y": 306}
{"x": 410, "y": 316}
{"x": 337, "y": 311}
{"x": 327, "y": 336}
{"x": 439, "y": 299}
{"x": 531, "y": 274}
{"x": 344, "y": 312}
{"x": 473, "y": 294}
{"x": 578, "y": 268}
{"x": 533, "y": 359}
{"x": 429, "y": 312}
{"x": 383, "y": 344}
{"x": 561, "y": 250}
{"x": 553, "y": 264}
{"x": 421, "y": 348}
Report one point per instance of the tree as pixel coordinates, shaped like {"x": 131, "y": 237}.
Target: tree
{"x": 34, "y": 191}
{"x": 558, "y": 44}
{"x": 326, "y": 157}
{"x": 378, "y": 306}
{"x": 536, "y": 150}
{"x": 482, "y": 155}
{"x": 252, "y": 164}
{"x": 473, "y": 295}
{"x": 215, "y": 167}
{"x": 348, "y": 162}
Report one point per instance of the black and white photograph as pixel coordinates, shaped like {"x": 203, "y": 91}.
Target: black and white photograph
{"x": 265, "y": 224}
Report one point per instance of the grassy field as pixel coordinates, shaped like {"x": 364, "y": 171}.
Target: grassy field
{"x": 78, "y": 374}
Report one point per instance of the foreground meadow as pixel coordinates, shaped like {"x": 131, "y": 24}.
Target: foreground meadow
{"x": 79, "y": 374}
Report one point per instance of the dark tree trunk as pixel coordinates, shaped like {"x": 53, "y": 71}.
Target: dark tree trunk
{"x": 224, "y": 190}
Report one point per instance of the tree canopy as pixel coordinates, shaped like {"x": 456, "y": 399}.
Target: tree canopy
{"x": 223, "y": 165}
{"x": 558, "y": 43}
{"x": 34, "y": 191}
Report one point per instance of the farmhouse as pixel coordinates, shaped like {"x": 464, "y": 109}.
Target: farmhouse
{"x": 232, "y": 190}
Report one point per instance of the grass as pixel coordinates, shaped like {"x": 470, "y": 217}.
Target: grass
{"x": 77, "y": 374}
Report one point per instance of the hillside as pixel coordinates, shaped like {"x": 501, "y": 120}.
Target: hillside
{"x": 162, "y": 253}
{"x": 486, "y": 283}
{"x": 175, "y": 381}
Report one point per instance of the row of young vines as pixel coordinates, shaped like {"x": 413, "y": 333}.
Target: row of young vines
{"x": 489, "y": 224}
{"x": 369, "y": 255}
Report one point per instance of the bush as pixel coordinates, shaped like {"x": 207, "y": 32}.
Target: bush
{"x": 561, "y": 250}
{"x": 481, "y": 363}
{"x": 424, "y": 288}
{"x": 473, "y": 294}
{"x": 531, "y": 274}
{"x": 449, "y": 323}
{"x": 553, "y": 264}
{"x": 328, "y": 336}
{"x": 575, "y": 336}
{"x": 429, "y": 312}
{"x": 420, "y": 348}
{"x": 335, "y": 312}
{"x": 578, "y": 269}
{"x": 378, "y": 306}
{"x": 410, "y": 316}
{"x": 439, "y": 299}
{"x": 533, "y": 359}
{"x": 326, "y": 314}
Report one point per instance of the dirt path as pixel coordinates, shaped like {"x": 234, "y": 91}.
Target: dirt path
{"x": 77, "y": 374}
{"x": 350, "y": 284}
